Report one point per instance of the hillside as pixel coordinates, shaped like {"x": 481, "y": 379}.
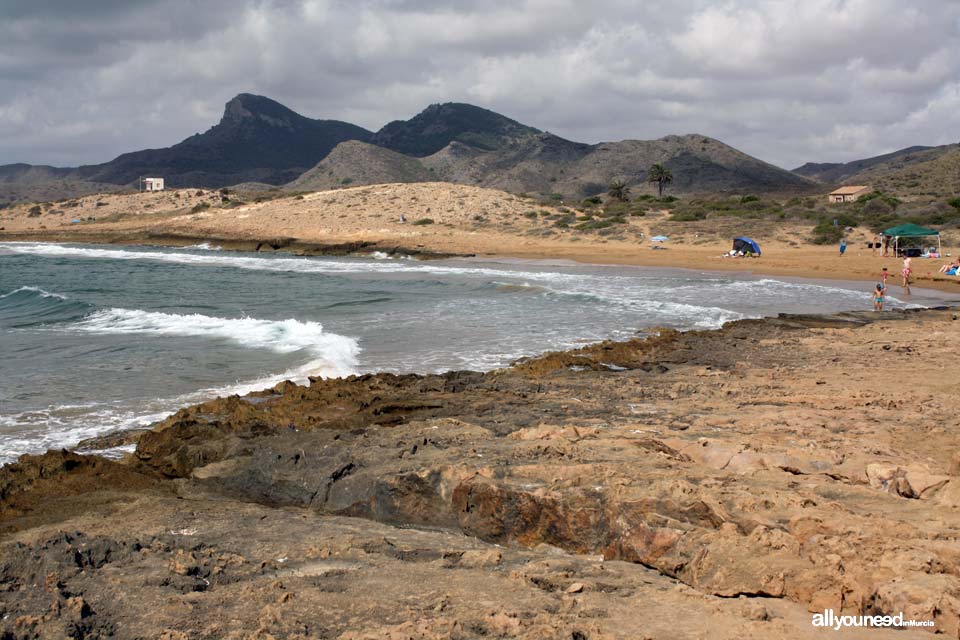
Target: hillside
{"x": 545, "y": 163}
{"x": 914, "y": 171}
{"x": 935, "y": 172}
{"x": 356, "y": 162}
{"x": 839, "y": 172}
{"x": 24, "y": 182}
{"x": 259, "y": 141}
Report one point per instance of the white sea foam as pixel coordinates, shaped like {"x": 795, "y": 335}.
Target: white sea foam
{"x": 280, "y": 336}
{"x": 43, "y": 293}
{"x": 64, "y": 425}
{"x": 204, "y": 246}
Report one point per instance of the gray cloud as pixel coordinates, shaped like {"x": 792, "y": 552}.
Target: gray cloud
{"x": 785, "y": 80}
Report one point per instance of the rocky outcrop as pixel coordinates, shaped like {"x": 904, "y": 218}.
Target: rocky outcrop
{"x": 756, "y": 471}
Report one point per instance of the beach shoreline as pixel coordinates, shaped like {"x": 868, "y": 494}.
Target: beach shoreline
{"x": 581, "y": 256}
{"x": 463, "y": 221}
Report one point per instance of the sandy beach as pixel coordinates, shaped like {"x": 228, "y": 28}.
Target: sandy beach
{"x": 465, "y": 221}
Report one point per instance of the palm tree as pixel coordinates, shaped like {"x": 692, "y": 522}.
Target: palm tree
{"x": 619, "y": 190}
{"x": 661, "y": 175}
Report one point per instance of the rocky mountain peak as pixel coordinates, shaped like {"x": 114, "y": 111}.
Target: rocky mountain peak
{"x": 250, "y": 108}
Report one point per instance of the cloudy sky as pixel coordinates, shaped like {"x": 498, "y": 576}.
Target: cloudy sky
{"x": 785, "y": 80}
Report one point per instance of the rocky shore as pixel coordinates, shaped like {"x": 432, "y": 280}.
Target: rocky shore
{"x": 719, "y": 484}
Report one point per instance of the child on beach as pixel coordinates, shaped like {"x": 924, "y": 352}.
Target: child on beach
{"x": 884, "y": 275}
{"x": 879, "y": 291}
{"x": 905, "y": 272}
{"x": 843, "y": 246}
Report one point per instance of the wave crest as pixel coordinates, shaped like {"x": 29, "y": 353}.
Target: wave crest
{"x": 334, "y": 355}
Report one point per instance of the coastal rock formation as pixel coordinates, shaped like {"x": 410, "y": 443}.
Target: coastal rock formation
{"x": 738, "y": 478}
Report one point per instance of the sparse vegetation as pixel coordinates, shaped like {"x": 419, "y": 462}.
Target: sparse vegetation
{"x": 423, "y": 221}
{"x": 200, "y": 206}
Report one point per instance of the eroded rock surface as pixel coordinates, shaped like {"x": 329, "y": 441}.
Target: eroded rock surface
{"x": 741, "y": 477}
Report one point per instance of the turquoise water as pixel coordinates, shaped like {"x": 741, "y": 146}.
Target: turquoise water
{"x": 99, "y": 338}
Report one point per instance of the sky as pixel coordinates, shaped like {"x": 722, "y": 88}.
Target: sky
{"x": 788, "y": 81}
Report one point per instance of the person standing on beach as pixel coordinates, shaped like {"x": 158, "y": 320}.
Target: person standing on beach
{"x": 905, "y": 272}
{"x": 884, "y": 274}
{"x": 878, "y": 293}
{"x": 843, "y": 246}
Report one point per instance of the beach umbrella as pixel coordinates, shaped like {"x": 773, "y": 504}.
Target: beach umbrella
{"x": 746, "y": 245}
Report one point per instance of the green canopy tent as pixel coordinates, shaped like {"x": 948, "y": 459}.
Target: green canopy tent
{"x": 908, "y": 230}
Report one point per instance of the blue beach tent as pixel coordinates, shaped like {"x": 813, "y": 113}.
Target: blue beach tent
{"x": 746, "y": 245}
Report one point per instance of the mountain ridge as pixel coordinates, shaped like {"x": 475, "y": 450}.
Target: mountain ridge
{"x": 835, "y": 172}
{"x": 259, "y": 140}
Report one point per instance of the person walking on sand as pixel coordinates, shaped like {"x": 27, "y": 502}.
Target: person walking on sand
{"x": 878, "y": 293}
{"x": 843, "y": 246}
{"x": 905, "y": 272}
{"x": 884, "y": 274}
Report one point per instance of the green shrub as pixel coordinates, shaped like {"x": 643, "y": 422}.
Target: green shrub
{"x": 890, "y": 200}
{"x": 827, "y": 233}
{"x": 592, "y": 225}
{"x": 423, "y": 221}
{"x": 346, "y": 181}
{"x": 200, "y": 206}
{"x": 877, "y": 207}
{"x": 688, "y": 215}
{"x": 746, "y": 199}
{"x": 954, "y": 202}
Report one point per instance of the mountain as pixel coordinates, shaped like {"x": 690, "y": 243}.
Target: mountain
{"x": 260, "y": 141}
{"x": 837, "y": 172}
{"x": 355, "y": 162}
{"x": 440, "y": 124}
{"x": 257, "y": 139}
{"x": 545, "y": 163}
{"x": 699, "y": 164}
{"x": 24, "y": 182}
{"x": 935, "y": 172}
{"x": 912, "y": 171}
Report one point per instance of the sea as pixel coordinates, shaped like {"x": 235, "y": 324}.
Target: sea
{"x": 100, "y": 338}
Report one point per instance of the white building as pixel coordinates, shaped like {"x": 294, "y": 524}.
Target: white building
{"x": 152, "y": 184}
